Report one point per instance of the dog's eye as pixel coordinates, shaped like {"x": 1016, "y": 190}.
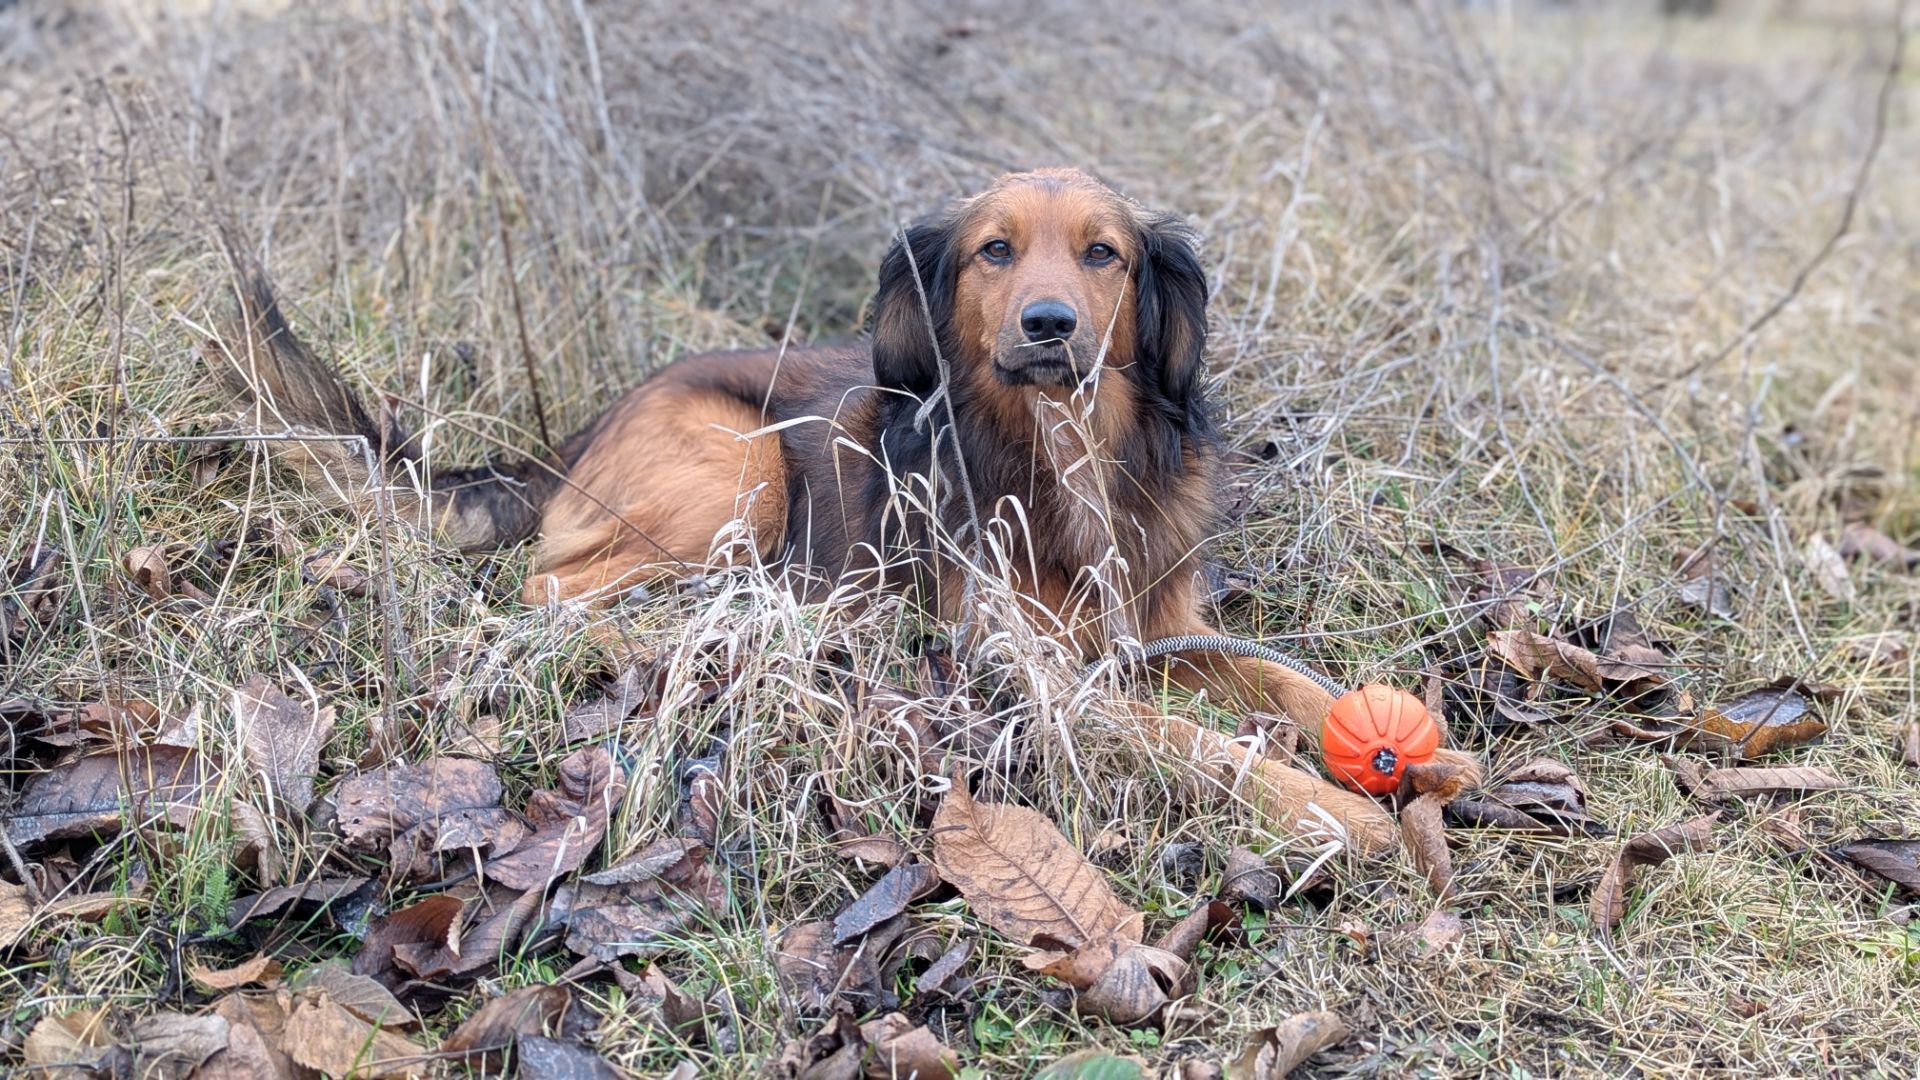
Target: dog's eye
{"x": 997, "y": 250}
{"x": 1100, "y": 254}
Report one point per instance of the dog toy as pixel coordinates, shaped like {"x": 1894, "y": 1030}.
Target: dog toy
{"x": 1372, "y": 734}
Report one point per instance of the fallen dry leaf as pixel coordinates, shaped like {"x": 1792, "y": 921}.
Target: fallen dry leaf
{"x": 255, "y": 1025}
{"x": 641, "y": 914}
{"x": 568, "y": 823}
{"x": 504, "y": 917}
{"x": 940, "y": 973}
{"x": 1829, "y": 569}
{"x": 483, "y": 1039}
{"x": 1022, "y": 876}
{"x": 1542, "y": 795}
{"x": 1422, "y": 825}
{"x": 421, "y": 810}
{"x": 79, "y": 1041}
{"x": 1862, "y": 541}
{"x": 1136, "y": 986}
{"x": 884, "y": 850}
{"x": 170, "y": 1046}
{"x": 147, "y": 566}
{"x": 1896, "y": 860}
{"x": 358, "y": 994}
{"x": 329, "y": 567}
{"x": 557, "y": 1059}
{"x": 1648, "y": 849}
{"x": 89, "y": 795}
{"x": 1197, "y": 925}
{"x": 322, "y": 1034}
{"x": 1277, "y": 1051}
{"x": 886, "y": 898}
{"x": 432, "y": 923}
{"x": 1910, "y": 744}
{"x": 1883, "y": 649}
{"x": 1249, "y": 880}
{"x": 16, "y": 913}
{"x": 282, "y": 739}
{"x": 1762, "y": 721}
{"x": 260, "y": 969}
{"x": 1733, "y": 783}
{"x": 308, "y": 894}
{"x": 899, "y": 1048}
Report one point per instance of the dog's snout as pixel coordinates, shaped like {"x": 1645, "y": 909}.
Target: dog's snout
{"x": 1048, "y": 320}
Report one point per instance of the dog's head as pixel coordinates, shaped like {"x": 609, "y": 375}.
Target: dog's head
{"x": 1036, "y": 282}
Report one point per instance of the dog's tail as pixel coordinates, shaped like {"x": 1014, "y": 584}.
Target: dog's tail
{"x": 316, "y": 426}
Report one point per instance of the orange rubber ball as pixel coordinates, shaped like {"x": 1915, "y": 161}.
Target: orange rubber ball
{"x": 1372, "y": 734}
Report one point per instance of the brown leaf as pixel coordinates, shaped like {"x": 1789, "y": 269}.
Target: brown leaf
{"x": 315, "y": 894}
{"x": 1543, "y": 795}
{"x": 886, "y": 898}
{"x": 1249, "y": 880}
{"x": 147, "y": 566}
{"x": 260, "y": 969}
{"x": 169, "y": 1046}
{"x": 255, "y": 1025}
{"x": 1536, "y": 656}
{"x": 934, "y": 980}
{"x": 1022, "y": 876}
{"x": 482, "y": 945}
{"x": 1829, "y": 569}
{"x": 1732, "y": 783}
{"x": 1648, "y": 849}
{"x": 1439, "y": 930}
{"x": 358, "y": 994}
{"x": 568, "y": 823}
{"x": 556, "y": 1059}
{"x": 433, "y": 923}
{"x": 1884, "y": 649}
{"x": 282, "y": 740}
{"x": 329, "y": 567}
{"x": 89, "y": 795}
{"x": 79, "y": 1042}
{"x": 654, "y": 863}
{"x": 637, "y": 685}
{"x": 899, "y": 1048}
{"x": 1862, "y": 541}
{"x": 1277, "y": 1051}
{"x": 422, "y": 811}
{"x": 1195, "y": 926}
{"x": 1762, "y": 721}
{"x": 1134, "y": 989}
{"x": 16, "y": 914}
{"x": 321, "y": 1034}
{"x": 884, "y": 850}
{"x": 639, "y": 917}
{"x": 1896, "y": 860}
{"x": 1910, "y": 744}
{"x": 482, "y": 1039}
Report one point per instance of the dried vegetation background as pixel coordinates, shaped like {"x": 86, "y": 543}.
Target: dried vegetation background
{"x": 1529, "y": 315}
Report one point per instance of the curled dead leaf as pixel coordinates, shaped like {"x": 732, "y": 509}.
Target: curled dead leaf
{"x": 898, "y": 1047}
{"x": 1733, "y": 783}
{"x": 1762, "y": 721}
{"x": 172, "y": 1046}
{"x": 568, "y": 823}
{"x": 1023, "y": 877}
{"x": 329, "y": 567}
{"x": 1277, "y": 1051}
{"x": 430, "y": 924}
{"x": 1541, "y": 796}
{"x": 261, "y": 968}
{"x": 322, "y": 1034}
{"x": 1249, "y": 880}
{"x": 310, "y": 895}
{"x": 1609, "y": 902}
{"x": 483, "y": 1038}
{"x": 1829, "y": 569}
{"x": 1862, "y": 541}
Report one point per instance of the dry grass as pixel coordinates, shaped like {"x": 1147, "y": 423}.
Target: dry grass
{"x": 1460, "y": 254}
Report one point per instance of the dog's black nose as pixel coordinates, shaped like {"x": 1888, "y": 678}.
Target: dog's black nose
{"x": 1048, "y": 320}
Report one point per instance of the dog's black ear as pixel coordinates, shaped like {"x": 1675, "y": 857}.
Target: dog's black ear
{"x": 1172, "y": 310}
{"x": 906, "y": 327}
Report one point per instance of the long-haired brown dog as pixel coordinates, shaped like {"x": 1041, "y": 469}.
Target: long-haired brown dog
{"x": 1033, "y": 388}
